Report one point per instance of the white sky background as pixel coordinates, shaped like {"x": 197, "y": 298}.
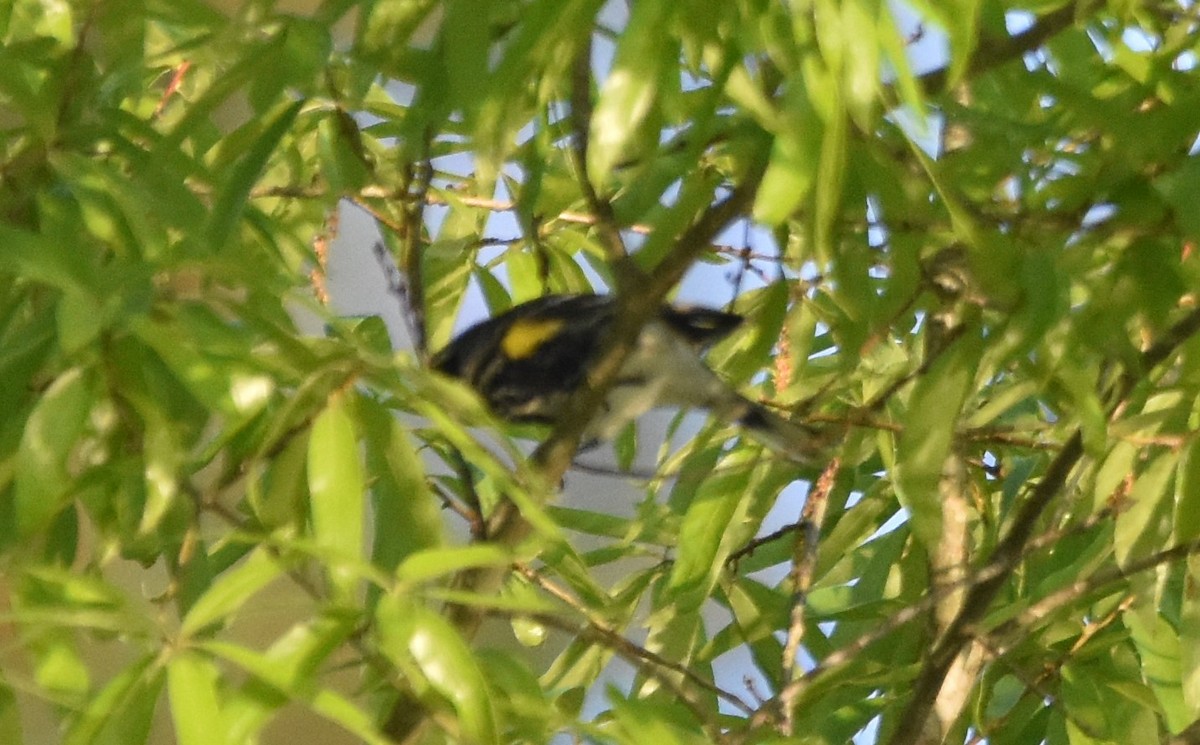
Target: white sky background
{"x": 357, "y": 287}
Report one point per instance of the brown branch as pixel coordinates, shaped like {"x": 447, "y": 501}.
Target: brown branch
{"x": 994, "y": 52}
{"x": 848, "y": 652}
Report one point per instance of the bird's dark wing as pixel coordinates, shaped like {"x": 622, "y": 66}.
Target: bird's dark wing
{"x": 526, "y": 361}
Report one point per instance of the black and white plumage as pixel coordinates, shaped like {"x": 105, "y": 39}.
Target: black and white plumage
{"x": 527, "y": 361}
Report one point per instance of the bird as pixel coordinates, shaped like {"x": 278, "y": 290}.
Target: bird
{"x": 526, "y": 363}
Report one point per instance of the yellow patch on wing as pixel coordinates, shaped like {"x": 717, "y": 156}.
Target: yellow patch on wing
{"x": 525, "y": 336}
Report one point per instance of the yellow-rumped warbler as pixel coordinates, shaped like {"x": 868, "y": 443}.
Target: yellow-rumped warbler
{"x": 528, "y": 360}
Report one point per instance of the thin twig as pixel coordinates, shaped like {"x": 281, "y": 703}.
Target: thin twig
{"x": 757, "y": 543}
{"x": 804, "y": 560}
{"x": 412, "y": 244}
{"x": 470, "y": 516}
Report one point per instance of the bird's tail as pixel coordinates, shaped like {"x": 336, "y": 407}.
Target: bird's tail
{"x": 798, "y": 441}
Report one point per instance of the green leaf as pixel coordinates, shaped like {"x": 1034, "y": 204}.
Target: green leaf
{"x": 1145, "y": 525}
{"x": 425, "y": 565}
{"x": 465, "y": 47}
{"x": 1187, "y": 495}
{"x": 297, "y": 655}
{"x": 894, "y": 46}
{"x": 1189, "y": 637}
{"x": 230, "y": 591}
{"x": 437, "y": 662}
{"x": 406, "y": 514}
{"x": 235, "y": 190}
{"x": 1080, "y": 384}
{"x": 749, "y": 349}
{"x": 193, "y": 687}
{"x": 59, "y": 669}
{"x": 280, "y": 498}
{"x": 285, "y": 672}
{"x": 336, "y": 486}
{"x": 930, "y": 422}
{"x": 795, "y": 160}
{"x": 446, "y": 275}
{"x": 123, "y": 711}
{"x": 1159, "y": 653}
{"x": 10, "y": 715}
{"x": 80, "y": 320}
{"x": 720, "y": 518}
{"x": 656, "y": 718}
{"x": 629, "y": 91}
{"x": 32, "y": 256}
{"x": 52, "y": 432}
{"x": 340, "y": 148}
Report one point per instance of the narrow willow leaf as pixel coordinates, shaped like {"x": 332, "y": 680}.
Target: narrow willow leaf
{"x": 428, "y": 564}
{"x": 387, "y": 28}
{"x": 963, "y": 27}
{"x": 33, "y": 256}
{"x": 758, "y": 612}
{"x": 336, "y": 486}
{"x": 425, "y": 646}
{"x": 340, "y": 149}
{"x": 629, "y": 91}
{"x": 465, "y": 45}
{"x": 235, "y": 191}
{"x": 446, "y": 275}
{"x": 406, "y": 514}
{"x": 1110, "y": 479}
{"x": 323, "y": 701}
{"x": 297, "y": 654}
{"x": 1145, "y": 525}
{"x": 80, "y": 320}
{"x": 123, "y": 710}
{"x": 193, "y": 683}
{"x": 718, "y": 520}
{"x": 10, "y": 715}
{"x": 1159, "y": 654}
{"x": 894, "y": 48}
{"x": 1187, "y": 495}
{"x": 860, "y": 30}
{"x": 1189, "y": 637}
{"x": 230, "y": 591}
{"x": 929, "y": 425}
{"x": 52, "y": 432}
{"x": 1080, "y": 384}
{"x": 795, "y": 161}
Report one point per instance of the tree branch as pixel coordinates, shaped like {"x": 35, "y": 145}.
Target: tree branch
{"x": 994, "y": 52}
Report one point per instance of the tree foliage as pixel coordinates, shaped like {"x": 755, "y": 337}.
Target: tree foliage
{"x": 974, "y": 270}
